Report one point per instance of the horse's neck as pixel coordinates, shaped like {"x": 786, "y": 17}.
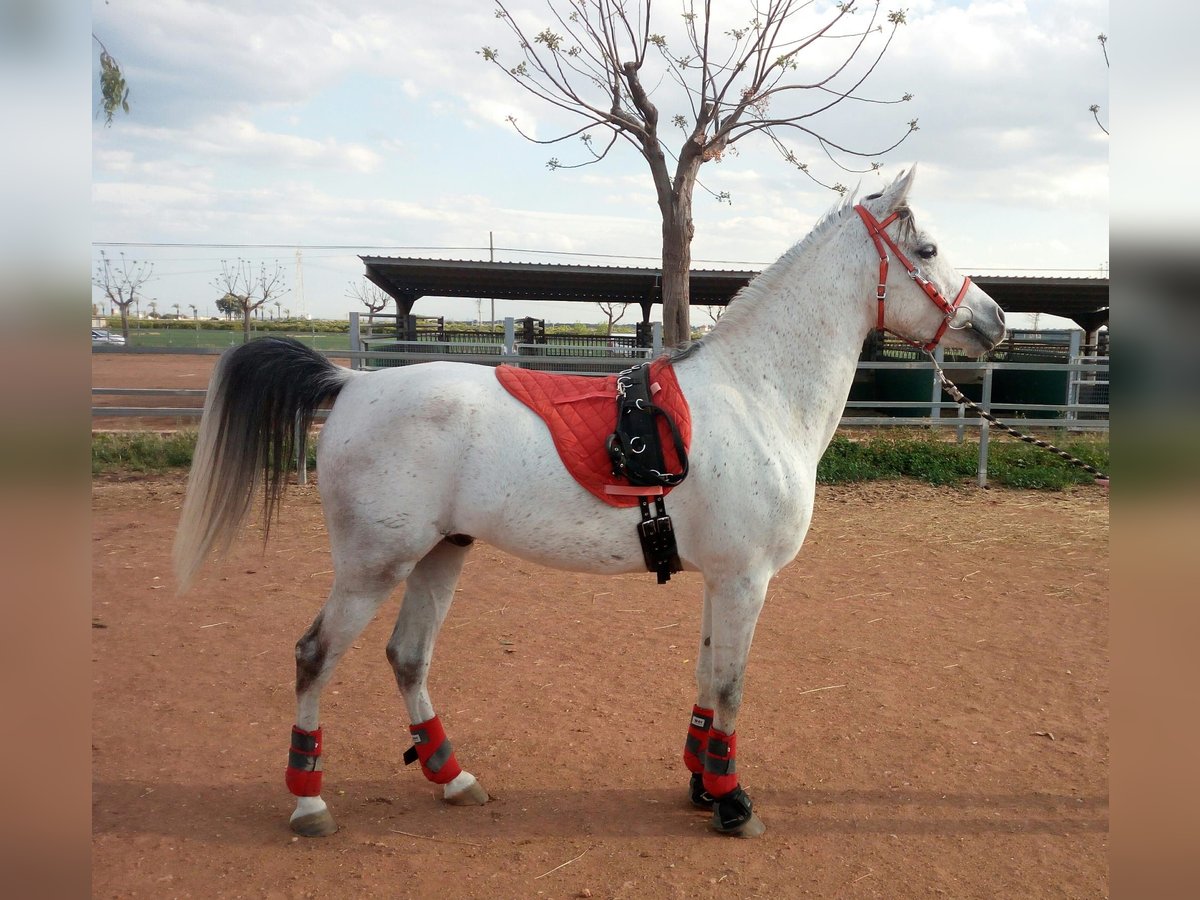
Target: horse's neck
{"x": 794, "y": 347}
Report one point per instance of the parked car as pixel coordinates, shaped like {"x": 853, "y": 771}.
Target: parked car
{"x": 100, "y": 337}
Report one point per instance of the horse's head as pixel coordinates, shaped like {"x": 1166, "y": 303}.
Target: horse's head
{"x": 920, "y": 296}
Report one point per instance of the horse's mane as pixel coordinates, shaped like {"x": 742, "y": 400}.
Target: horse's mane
{"x": 766, "y": 281}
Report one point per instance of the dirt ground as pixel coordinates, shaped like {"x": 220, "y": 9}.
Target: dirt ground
{"x": 925, "y": 714}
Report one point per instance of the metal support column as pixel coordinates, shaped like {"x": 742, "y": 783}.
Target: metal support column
{"x": 984, "y": 424}
{"x": 935, "y": 411}
{"x": 356, "y": 343}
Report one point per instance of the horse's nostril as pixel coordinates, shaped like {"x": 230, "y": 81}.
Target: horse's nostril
{"x": 1000, "y": 316}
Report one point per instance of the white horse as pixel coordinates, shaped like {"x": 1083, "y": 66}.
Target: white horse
{"x": 416, "y": 462}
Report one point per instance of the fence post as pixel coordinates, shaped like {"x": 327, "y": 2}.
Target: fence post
{"x": 935, "y": 411}
{"x": 1074, "y": 375}
{"x": 302, "y": 451}
{"x": 356, "y": 343}
{"x": 510, "y": 336}
{"x": 984, "y": 425}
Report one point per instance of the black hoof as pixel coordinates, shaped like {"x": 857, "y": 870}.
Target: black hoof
{"x": 734, "y": 814}
{"x": 697, "y": 794}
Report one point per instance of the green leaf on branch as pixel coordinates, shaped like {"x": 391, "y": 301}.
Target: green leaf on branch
{"x": 114, "y": 93}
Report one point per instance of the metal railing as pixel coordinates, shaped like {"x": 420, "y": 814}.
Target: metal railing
{"x": 1079, "y": 411}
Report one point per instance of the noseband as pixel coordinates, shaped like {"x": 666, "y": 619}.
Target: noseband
{"x": 875, "y": 229}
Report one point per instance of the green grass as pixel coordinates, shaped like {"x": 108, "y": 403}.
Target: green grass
{"x": 135, "y": 451}
{"x": 1010, "y": 464}
{"x": 205, "y": 337}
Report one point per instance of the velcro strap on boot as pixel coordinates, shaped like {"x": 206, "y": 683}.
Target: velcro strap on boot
{"x": 303, "y": 774}
{"x": 433, "y": 749}
{"x": 720, "y": 765}
{"x": 697, "y": 739}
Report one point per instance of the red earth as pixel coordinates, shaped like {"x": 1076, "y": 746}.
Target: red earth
{"x": 926, "y": 711}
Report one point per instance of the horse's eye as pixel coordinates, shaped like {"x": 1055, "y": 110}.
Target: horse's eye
{"x": 927, "y": 251}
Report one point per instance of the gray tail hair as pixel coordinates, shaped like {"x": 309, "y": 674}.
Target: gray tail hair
{"x": 260, "y": 403}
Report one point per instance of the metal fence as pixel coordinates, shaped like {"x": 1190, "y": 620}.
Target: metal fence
{"x": 1082, "y": 405}
{"x": 528, "y": 348}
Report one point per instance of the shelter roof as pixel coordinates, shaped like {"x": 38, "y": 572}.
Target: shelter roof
{"x": 1084, "y": 300}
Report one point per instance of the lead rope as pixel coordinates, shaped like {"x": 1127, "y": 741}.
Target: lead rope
{"x": 952, "y": 389}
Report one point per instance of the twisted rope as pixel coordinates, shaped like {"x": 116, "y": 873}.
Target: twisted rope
{"x": 952, "y": 389}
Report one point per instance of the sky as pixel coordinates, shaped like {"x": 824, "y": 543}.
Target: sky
{"x": 263, "y": 128}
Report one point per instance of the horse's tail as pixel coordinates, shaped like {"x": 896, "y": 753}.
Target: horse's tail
{"x": 260, "y": 404}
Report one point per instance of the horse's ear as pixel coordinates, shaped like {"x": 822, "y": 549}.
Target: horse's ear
{"x": 894, "y": 195}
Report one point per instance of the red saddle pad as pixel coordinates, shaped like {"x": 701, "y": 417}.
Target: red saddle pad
{"x": 581, "y": 412}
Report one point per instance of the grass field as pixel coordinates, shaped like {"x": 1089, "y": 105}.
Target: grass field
{"x": 200, "y": 337}
{"x": 846, "y": 461}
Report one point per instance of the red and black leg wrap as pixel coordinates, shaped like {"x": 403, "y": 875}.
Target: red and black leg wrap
{"x": 720, "y": 766}
{"x": 731, "y": 807}
{"x": 694, "y": 747}
{"x": 304, "y": 763}
{"x": 433, "y": 749}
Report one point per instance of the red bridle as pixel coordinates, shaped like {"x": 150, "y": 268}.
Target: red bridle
{"x": 875, "y": 229}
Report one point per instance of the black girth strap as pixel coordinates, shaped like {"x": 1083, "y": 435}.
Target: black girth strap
{"x": 636, "y": 453}
{"x": 635, "y": 448}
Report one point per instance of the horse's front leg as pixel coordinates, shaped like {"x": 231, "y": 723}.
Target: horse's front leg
{"x": 427, "y": 599}
{"x": 731, "y": 608}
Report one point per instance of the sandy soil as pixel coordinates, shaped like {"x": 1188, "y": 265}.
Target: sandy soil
{"x": 926, "y": 711}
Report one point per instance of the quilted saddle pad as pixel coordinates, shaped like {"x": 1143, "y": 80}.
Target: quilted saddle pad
{"x": 581, "y": 412}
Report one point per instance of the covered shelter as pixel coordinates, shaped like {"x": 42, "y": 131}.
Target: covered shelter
{"x": 407, "y": 279}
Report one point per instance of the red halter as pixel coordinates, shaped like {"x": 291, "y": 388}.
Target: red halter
{"x": 875, "y": 229}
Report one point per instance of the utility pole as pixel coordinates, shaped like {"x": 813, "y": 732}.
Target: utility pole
{"x": 300, "y": 283}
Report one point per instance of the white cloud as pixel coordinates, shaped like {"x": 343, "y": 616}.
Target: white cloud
{"x": 236, "y": 138}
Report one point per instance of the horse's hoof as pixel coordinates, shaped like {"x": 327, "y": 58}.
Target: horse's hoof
{"x": 733, "y": 814}
{"x": 751, "y": 828}
{"x": 470, "y": 794}
{"x": 701, "y": 799}
{"x": 314, "y": 824}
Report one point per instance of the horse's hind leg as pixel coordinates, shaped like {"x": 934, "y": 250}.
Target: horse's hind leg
{"x": 352, "y": 604}
{"x": 427, "y": 599}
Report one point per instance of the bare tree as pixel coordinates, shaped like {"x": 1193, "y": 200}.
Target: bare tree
{"x": 1094, "y": 109}
{"x": 613, "y": 311}
{"x": 600, "y": 60}
{"x": 121, "y": 282}
{"x": 373, "y": 297}
{"x": 247, "y": 290}
{"x": 715, "y": 313}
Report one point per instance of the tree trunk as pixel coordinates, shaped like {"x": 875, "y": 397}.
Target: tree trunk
{"x": 677, "y": 231}
{"x": 246, "y": 324}
{"x": 124, "y": 321}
